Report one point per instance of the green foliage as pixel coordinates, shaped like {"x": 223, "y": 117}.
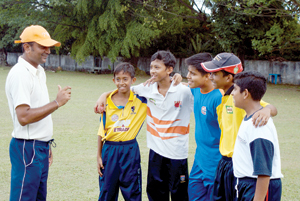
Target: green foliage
{"x": 256, "y": 28}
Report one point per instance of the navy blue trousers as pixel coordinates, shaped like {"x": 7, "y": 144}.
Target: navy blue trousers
{"x": 29, "y": 169}
{"x": 224, "y": 181}
{"x": 167, "y": 176}
{"x": 122, "y": 169}
{"x": 246, "y": 189}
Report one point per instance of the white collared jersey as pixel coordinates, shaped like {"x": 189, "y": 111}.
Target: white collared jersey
{"x": 256, "y": 151}
{"x": 168, "y": 119}
{"x": 26, "y": 85}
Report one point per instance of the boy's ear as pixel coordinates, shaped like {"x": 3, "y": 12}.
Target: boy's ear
{"x": 207, "y": 76}
{"x": 169, "y": 70}
{"x": 246, "y": 94}
{"x": 229, "y": 78}
{"x": 133, "y": 80}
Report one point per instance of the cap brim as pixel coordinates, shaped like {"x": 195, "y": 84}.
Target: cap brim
{"x": 210, "y": 67}
{"x": 48, "y": 43}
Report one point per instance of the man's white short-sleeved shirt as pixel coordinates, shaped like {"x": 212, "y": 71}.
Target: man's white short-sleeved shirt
{"x": 26, "y": 85}
{"x": 168, "y": 119}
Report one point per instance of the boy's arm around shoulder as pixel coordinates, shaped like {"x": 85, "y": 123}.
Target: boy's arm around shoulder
{"x": 261, "y": 117}
{"x": 100, "y": 104}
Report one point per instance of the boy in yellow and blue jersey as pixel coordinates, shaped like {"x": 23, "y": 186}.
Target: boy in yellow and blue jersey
{"x": 118, "y": 155}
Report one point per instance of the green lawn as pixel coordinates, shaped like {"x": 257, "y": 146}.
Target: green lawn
{"x": 73, "y": 175}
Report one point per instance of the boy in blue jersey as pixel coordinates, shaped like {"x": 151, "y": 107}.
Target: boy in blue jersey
{"x": 118, "y": 155}
{"x": 256, "y": 156}
{"x": 207, "y": 131}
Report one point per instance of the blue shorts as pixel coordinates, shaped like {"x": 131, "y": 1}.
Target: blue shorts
{"x": 224, "y": 180}
{"x": 246, "y": 189}
{"x": 167, "y": 176}
{"x": 122, "y": 169}
{"x": 29, "y": 169}
{"x": 200, "y": 185}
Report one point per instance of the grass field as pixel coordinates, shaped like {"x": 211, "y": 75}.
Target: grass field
{"x": 73, "y": 175}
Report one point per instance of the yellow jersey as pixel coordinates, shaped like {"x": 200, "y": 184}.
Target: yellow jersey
{"x": 123, "y": 123}
{"x": 230, "y": 119}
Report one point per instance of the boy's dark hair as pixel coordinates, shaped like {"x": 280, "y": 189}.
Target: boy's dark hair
{"x": 225, "y": 73}
{"x": 165, "y": 56}
{"x": 196, "y": 61}
{"x": 254, "y": 81}
{"x": 126, "y": 68}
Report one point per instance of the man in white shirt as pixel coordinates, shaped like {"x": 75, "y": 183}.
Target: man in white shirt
{"x": 29, "y": 105}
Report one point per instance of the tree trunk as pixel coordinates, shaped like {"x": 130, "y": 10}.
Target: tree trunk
{"x": 3, "y": 57}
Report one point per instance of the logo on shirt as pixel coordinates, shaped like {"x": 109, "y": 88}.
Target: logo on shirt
{"x": 229, "y": 109}
{"x": 203, "y": 110}
{"x": 114, "y": 117}
{"x": 177, "y": 104}
{"x": 122, "y": 126}
{"x": 152, "y": 101}
{"x": 132, "y": 110}
{"x": 182, "y": 178}
{"x": 241, "y": 139}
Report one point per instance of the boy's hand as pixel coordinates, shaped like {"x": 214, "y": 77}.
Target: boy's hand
{"x": 100, "y": 166}
{"x": 177, "y": 78}
{"x": 261, "y": 117}
{"x": 149, "y": 82}
{"x": 50, "y": 157}
{"x": 99, "y": 106}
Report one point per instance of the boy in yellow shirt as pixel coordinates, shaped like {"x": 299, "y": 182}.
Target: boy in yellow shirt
{"x": 118, "y": 149}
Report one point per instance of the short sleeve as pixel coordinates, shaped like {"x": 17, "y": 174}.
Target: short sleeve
{"x": 262, "y": 153}
{"x": 20, "y": 89}
{"x": 102, "y": 130}
{"x": 138, "y": 89}
{"x": 263, "y": 103}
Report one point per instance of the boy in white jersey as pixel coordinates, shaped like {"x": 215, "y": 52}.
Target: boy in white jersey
{"x": 256, "y": 156}
{"x": 168, "y": 117}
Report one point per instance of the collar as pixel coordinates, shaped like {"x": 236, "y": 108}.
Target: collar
{"x": 228, "y": 92}
{"x": 172, "y": 88}
{"x": 30, "y": 68}
{"x": 111, "y": 104}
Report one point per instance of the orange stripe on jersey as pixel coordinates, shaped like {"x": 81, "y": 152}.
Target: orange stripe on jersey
{"x": 157, "y": 121}
{"x": 183, "y": 130}
{"x": 155, "y": 133}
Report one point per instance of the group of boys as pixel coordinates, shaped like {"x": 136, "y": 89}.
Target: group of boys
{"x": 227, "y": 137}
{"x": 217, "y": 173}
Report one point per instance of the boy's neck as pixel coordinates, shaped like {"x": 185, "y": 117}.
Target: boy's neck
{"x": 120, "y": 99}
{"x": 164, "y": 85}
{"x": 226, "y": 87}
{"x": 207, "y": 87}
{"x": 251, "y": 107}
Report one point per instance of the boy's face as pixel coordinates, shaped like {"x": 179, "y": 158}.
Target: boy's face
{"x": 238, "y": 97}
{"x": 159, "y": 71}
{"x": 219, "y": 81}
{"x": 195, "y": 78}
{"x": 123, "y": 81}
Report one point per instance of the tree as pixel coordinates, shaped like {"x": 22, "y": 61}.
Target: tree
{"x": 257, "y": 27}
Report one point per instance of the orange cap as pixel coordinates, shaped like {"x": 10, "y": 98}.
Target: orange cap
{"x": 38, "y": 34}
